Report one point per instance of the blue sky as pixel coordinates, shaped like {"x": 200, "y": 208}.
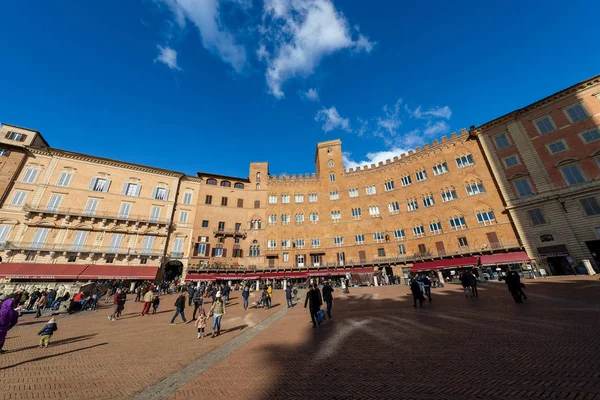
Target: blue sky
{"x": 210, "y": 85}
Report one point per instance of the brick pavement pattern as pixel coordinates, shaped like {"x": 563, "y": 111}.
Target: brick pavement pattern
{"x": 379, "y": 346}
{"x": 91, "y": 357}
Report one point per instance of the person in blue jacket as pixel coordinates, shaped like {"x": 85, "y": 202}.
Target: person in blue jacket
{"x": 46, "y": 332}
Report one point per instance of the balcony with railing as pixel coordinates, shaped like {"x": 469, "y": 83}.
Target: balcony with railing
{"x": 72, "y": 248}
{"x": 92, "y": 214}
{"x": 230, "y": 233}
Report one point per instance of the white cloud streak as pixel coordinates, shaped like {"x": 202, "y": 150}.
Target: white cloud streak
{"x": 301, "y": 33}
{"x": 167, "y": 56}
{"x": 332, "y": 120}
{"x": 436, "y": 128}
{"x": 436, "y": 112}
{"x": 204, "y": 14}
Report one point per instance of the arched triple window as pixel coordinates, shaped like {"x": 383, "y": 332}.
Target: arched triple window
{"x": 238, "y": 185}
{"x": 255, "y": 224}
{"x": 211, "y": 181}
{"x": 254, "y": 251}
{"x": 226, "y": 183}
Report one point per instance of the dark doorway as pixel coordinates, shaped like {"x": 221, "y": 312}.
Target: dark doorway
{"x": 594, "y": 247}
{"x": 559, "y": 265}
{"x": 173, "y": 269}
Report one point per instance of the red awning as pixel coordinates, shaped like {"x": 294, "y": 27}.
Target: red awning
{"x": 340, "y": 272}
{"x": 296, "y": 275}
{"x": 137, "y": 272}
{"x": 40, "y": 271}
{"x": 201, "y": 277}
{"x": 505, "y": 258}
{"x": 460, "y": 262}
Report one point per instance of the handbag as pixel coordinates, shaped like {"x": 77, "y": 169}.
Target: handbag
{"x": 320, "y": 316}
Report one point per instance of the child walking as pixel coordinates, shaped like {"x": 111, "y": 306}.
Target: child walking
{"x": 201, "y": 323}
{"x": 47, "y": 332}
{"x": 155, "y": 304}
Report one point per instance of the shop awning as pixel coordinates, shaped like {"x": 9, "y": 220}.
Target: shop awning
{"x": 137, "y": 272}
{"x": 460, "y": 262}
{"x": 340, "y": 272}
{"x": 40, "y": 271}
{"x": 505, "y": 258}
{"x": 200, "y": 277}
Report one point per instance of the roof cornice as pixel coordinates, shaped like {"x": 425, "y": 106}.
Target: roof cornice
{"x": 543, "y": 102}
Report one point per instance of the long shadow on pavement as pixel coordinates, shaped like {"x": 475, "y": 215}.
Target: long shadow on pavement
{"x": 52, "y": 355}
{"x": 59, "y": 342}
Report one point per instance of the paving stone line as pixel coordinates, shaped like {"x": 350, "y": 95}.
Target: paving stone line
{"x": 175, "y": 381}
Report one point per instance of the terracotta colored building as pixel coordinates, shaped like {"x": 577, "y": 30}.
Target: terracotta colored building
{"x": 546, "y": 160}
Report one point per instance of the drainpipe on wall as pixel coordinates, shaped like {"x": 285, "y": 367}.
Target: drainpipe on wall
{"x": 161, "y": 271}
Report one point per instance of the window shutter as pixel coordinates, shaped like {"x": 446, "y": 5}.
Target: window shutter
{"x": 124, "y": 190}
{"x": 7, "y": 135}
{"x": 154, "y": 192}
{"x": 107, "y": 186}
{"x": 6, "y": 153}
{"x": 240, "y": 203}
{"x": 241, "y": 253}
{"x": 139, "y": 189}
{"x": 256, "y": 203}
{"x": 224, "y": 252}
{"x": 166, "y": 194}
{"x": 92, "y": 183}
{"x": 207, "y": 251}
{"x": 23, "y": 137}
{"x": 212, "y": 254}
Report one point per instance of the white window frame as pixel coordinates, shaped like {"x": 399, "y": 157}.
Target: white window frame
{"x": 331, "y": 177}
{"x": 597, "y": 135}
{"x": 315, "y": 242}
{"x": 394, "y": 207}
{"x": 465, "y": 161}
{"x": 435, "y": 228}
{"x": 148, "y": 244}
{"x": 312, "y": 197}
{"x": 30, "y": 174}
{"x": 272, "y": 199}
{"x": 412, "y": 204}
{"x": 64, "y": 179}
{"x": 524, "y": 179}
{"x": 336, "y": 215}
{"x": 161, "y": 193}
{"x": 5, "y": 233}
{"x": 54, "y": 202}
{"x": 572, "y": 106}
{"x": 399, "y": 234}
{"x": 578, "y": 169}
{"x": 371, "y": 190}
{"x": 474, "y": 188}
{"x": 440, "y": 168}
{"x": 115, "y": 242}
{"x": 401, "y": 249}
{"x": 183, "y": 216}
{"x": 39, "y": 238}
{"x": 338, "y": 240}
{"x": 299, "y": 218}
{"x": 18, "y": 198}
{"x": 299, "y": 198}
{"x": 359, "y": 238}
{"x": 406, "y": 180}
{"x": 188, "y": 197}
{"x": 334, "y": 195}
{"x": 300, "y": 243}
{"x": 272, "y": 244}
{"x": 547, "y": 116}
{"x": 285, "y": 198}
{"x": 428, "y": 201}
{"x": 124, "y": 210}
{"x": 100, "y": 185}
{"x": 374, "y": 211}
{"x": 272, "y": 219}
{"x": 356, "y": 213}
{"x": 505, "y": 136}
{"x": 564, "y": 143}
{"x": 285, "y": 219}
{"x": 517, "y": 161}
{"x": 389, "y": 186}
{"x": 313, "y": 217}
{"x": 486, "y": 217}
{"x": 79, "y": 240}
{"x": 155, "y": 213}
{"x": 418, "y": 231}
{"x": 421, "y": 175}
{"x": 378, "y": 237}
{"x": 458, "y": 223}
{"x": 285, "y": 243}
{"x": 132, "y": 189}
{"x": 286, "y": 257}
{"x": 353, "y": 192}
{"x": 448, "y": 194}
{"x": 91, "y": 206}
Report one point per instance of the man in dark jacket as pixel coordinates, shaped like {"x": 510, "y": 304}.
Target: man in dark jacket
{"x": 245, "y": 296}
{"x": 198, "y": 301}
{"x": 313, "y": 296}
{"x": 117, "y": 301}
{"x": 190, "y": 294}
{"x": 328, "y": 297}
{"x": 288, "y": 295}
{"x": 180, "y": 306}
{"x": 415, "y": 288}
{"x": 225, "y": 292}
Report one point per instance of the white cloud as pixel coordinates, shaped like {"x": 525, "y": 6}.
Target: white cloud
{"x": 301, "y": 33}
{"x": 437, "y": 128}
{"x": 372, "y": 158}
{"x": 167, "y": 56}
{"x": 332, "y": 120}
{"x": 436, "y": 112}
{"x": 311, "y": 94}
{"x": 262, "y": 53}
{"x": 390, "y": 122}
{"x": 204, "y": 14}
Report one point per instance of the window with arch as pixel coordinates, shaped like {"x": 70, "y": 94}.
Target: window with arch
{"x": 254, "y": 250}
{"x": 448, "y": 194}
{"x": 458, "y": 223}
{"x": 255, "y": 224}
{"x": 329, "y": 151}
{"x": 474, "y": 187}
{"x": 225, "y": 183}
{"x": 258, "y": 186}
{"x": 238, "y": 185}
{"x": 258, "y": 177}
{"x": 412, "y": 204}
{"x": 486, "y": 217}
{"x": 428, "y": 200}
{"x": 546, "y": 238}
{"x": 330, "y": 163}
{"x": 211, "y": 181}
{"x": 435, "y": 227}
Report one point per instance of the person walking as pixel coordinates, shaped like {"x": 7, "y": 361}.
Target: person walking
{"x": 513, "y": 281}
{"x": 148, "y": 297}
{"x": 314, "y": 301}
{"x": 46, "y": 332}
{"x": 198, "y": 301}
{"x": 427, "y": 287}
{"x": 288, "y": 296}
{"x": 217, "y": 311}
{"x": 328, "y": 297}
{"x": 226, "y": 291}
{"x": 40, "y": 305}
{"x": 122, "y": 303}
{"x": 415, "y": 288}
{"x": 473, "y": 284}
{"x": 270, "y": 295}
{"x": 465, "y": 282}
{"x": 8, "y": 318}
{"x": 191, "y": 291}
{"x": 155, "y": 303}
{"x": 138, "y": 294}
{"x": 245, "y": 296}
{"x": 117, "y": 299}
{"x": 180, "y": 308}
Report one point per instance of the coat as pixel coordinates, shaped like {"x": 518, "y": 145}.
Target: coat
{"x": 288, "y": 292}
{"x": 148, "y": 297}
{"x": 48, "y": 329}
{"x": 415, "y": 288}
{"x": 180, "y": 302}
{"x": 218, "y": 308}
{"x": 314, "y": 298}
{"x": 327, "y": 293}
{"x": 245, "y": 293}
{"x": 8, "y": 318}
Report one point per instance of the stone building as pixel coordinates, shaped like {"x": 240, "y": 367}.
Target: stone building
{"x": 546, "y": 160}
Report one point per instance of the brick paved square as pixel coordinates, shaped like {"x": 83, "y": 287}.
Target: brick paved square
{"x": 376, "y": 346}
